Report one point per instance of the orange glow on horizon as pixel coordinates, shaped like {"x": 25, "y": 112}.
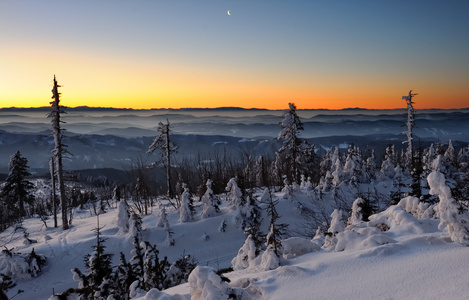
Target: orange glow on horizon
{"x": 89, "y": 80}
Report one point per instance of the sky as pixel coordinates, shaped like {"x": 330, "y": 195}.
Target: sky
{"x": 146, "y": 54}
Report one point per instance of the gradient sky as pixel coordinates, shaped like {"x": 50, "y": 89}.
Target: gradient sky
{"x": 176, "y": 53}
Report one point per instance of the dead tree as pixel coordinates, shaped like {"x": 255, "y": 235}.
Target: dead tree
{"x": 163, "y": 142}
{"x": 59, "y": 149}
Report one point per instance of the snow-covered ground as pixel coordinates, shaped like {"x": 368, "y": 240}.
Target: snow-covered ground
{"x": 411, "y": 259}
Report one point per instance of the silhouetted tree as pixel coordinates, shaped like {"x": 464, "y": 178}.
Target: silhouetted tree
{"x": 17, "y": 189}
{"x": 162, "y": 141}
{"x": 59, "y": 149}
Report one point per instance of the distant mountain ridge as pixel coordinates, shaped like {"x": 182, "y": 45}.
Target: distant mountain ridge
{"x": 221, "y": 108}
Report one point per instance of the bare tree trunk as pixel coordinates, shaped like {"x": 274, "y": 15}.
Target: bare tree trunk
{"x": 58, "y": 150}
{"x": 168, "y": 161}
{"x": 54, "y": 196}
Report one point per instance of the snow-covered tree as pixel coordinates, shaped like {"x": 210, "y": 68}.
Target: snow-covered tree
{"x": 17, "y": 190}
{"x": 210, "y": 202}
{"x": 276, "y": 230}
{"x": 291, "y": 150}
{"x": 163, "y": 142}
{"x": 410, "y": 125}
{"x": 246, "y": 255}
{"x": 353, "y": 166}
{"x": 450, "y": 155}
{"x": 370, "y": 166}
{"x": 261, "y": 172}
{"x": 253, "y": 219}
{"x": 234, "y": 193}
{"x": 337, "y": 225}
{"x": 162, "y": 219}
{"x": 135, "y": 225}
{"x": 389, "y": 163}
{"x": 449, "y": 212}
{"x": 154, "y": 269}
{"x": 99, "y": 270}
{"x": 123, "y": 217}
{"x": 59, "y": 149}
{"x": 186, "y": 210}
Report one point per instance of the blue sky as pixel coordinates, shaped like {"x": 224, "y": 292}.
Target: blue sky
{"x": 192, "y": 53}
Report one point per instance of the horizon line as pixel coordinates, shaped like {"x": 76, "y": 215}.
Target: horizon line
{"x": 221, "y": 107}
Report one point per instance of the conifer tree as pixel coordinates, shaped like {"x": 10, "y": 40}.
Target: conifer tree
{"x": 98, "y": 263}
{"x": 276, "y": 230}
{"x": 16, "y": 191}
{"x": 186, "y": 211}
{"x": 291, "y": 150}
{"x": 210, "y": 202}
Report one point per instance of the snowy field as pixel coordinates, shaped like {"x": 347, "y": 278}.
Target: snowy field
{"x": 412, "y": 259}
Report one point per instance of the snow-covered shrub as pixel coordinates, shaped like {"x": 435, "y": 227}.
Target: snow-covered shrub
{"x": 20, "y": 266}
{"x": 351, "y": 240}
{"x": 269, "y": 260}
{"x": 337, "y": 225}
{"x": 123, "y": 217}
{"x": 356, "y": 216}
{"x": 162, "y": 219}
{"x": 319, "y": 237}
{"x": 155, "y": 294}
{"x": 396, "y": 219}
{"x": 416, "y": 207}
{"x": 205, "y": 284}
{"x": 179, "y": 271}
{"x": 296, "y": 246}
{"x": 210, "y": 202}
{"x": 234, "y": 193}
{"x": 447, "y": 209}
{"x": 287, "y": 191}
{"x": 135, "y": 225}
{"x": 246, "y": 255}
{"x": 185, "y": 211}
{"x": 222, "y": 227}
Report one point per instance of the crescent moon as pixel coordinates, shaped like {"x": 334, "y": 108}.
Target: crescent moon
{"x": 228, "y": 12}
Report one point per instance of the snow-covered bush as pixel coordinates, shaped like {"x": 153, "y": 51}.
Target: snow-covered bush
{"x": 135, "y": 225}
{"x": 356, "y": 216}
{"x": 246, "y": 255}
{"x": 416, "y": 207}
{"x": 185, "y": 211}
{"x": 123, "y": 217}
{"x": 337, "y": 225}
{"x": 205, "y": 284}
{"x": 319, "y": 237}
{"x": 269, "y": 259}
{"x": 210, "y": 202}
{"x": 447, "y": 209}
{"x": 234, "y": 193}
{"x": 162, "y": 219}
{"x": 20, "y": 266}
{"x": 296, "y": 246}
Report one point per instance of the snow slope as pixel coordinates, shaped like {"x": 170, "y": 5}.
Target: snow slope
{"x": 414, "y": 259}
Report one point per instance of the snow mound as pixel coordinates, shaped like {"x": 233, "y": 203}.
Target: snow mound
{"x": 297, "y": 246}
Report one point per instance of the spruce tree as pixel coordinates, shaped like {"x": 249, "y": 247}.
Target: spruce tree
{"x": 16, "y": 191}
{"x": 291, "y": 150}
{"x": 98, "y": 263}
{"x": 276, "y": 230}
